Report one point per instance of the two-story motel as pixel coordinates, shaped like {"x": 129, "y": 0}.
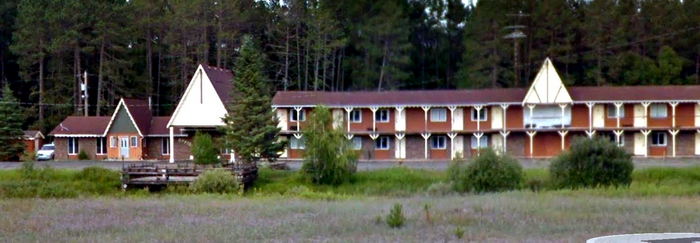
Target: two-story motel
{"x": 660, "y": 121}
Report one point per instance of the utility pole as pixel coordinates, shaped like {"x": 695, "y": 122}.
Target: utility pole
{"x": 84, "y": 88}
{"x": 516, "y": 34}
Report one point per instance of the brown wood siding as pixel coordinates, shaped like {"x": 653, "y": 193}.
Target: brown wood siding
{"x": 660, "y": 122}
{"x": 626, "y": 121}
{"x": 547, "y": 144}
{"x": 439, "y": 153}
{"x": 415, "y": 120}
{"x": 295, "y": 153}
{"x": 514, "y": 117}
{"x": 445, "y": 126}
{"x": 389, "y": 125}
{"x": 291, "y": 125}
{"x": 365, "y": 125}
{"x": 658, "y": 151}
{"x": 579, "y": 116}
{"x": 470, "y": 125}
{"x": 685, "y": 115}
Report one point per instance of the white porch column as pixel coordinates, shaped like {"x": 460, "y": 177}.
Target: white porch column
{"x": 478, "y": 136}
{"x": 172, "y": 145}
{"x": 563, "y": 114}
{"x": 646, "y": 141}
{"x": 505, "y": 108}
{"x": 400, "y": 123}
{"x": 531, "y": 134}
{"x": 646, "y": 113}
{"x": 673, "y": 113}
{"x": 478, "y": 115}
{"x": 374, "y": 117}
{"x": 618, "y": 135}
{"x": 425, "y": 136}
{"x": 505, "y": 140}
{"x": 563, "y": 133}
{"x": 400, "y": 150}
{"x": 452, "y": 116}
{"x": 673, "y": 133}
{"x": 590, "y": 116}
{"x": 425, "y": 113}
{"x": 617, "y": 107}
{"x": 531, "y": 107}
{"x": 348, "y": 110}
{"x": 452, "y": 136}
{"x": 298, "y": 109}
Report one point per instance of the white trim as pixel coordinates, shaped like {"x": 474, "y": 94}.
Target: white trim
{"x": 300, "y": 112}
{"x": 438, "y": 120}
{"x": 483, "y": 111}
{"x": 432, "y": 143}
{"x": 77, "y": 135}
{"x": 359, "y": 111}
{"x": 97, "y": 148}
{"x": 114, "y": 115}
{"x": 76, "y": 141}
{"x": 388, "y": 115}
{"x": 379, "y": 141}
{"x": 131, "y": 142}
{"x": 577, "y": 102}
{"x": 659, "y": 145}
{"x": 161, "y": 146}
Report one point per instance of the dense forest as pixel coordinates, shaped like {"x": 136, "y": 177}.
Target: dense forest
{"x": 150, "y": 48}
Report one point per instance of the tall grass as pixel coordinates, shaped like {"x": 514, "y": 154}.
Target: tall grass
{"x": 46, "y": 182}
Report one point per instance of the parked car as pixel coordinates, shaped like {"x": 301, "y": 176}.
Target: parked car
{"x": 46, "y": 152}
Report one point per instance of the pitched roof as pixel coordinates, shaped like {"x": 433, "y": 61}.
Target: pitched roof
{"x": 480, "y": 96}
{"x": 547, "y": 88}
{"x": 28, "y": 134}
{"x": 82, "y": 125}
{"x": 140, "y": 111}
{"x": 222, "y": 79}
{"x": 159, "y": 127}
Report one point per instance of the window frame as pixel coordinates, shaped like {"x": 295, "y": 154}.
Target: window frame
{"x": 113, "y": 141}
{"x": 613, "y": 108}
{"x": 483, "y": 112}
{"x": 437, "y": 139}
{"x": 297, "y": 143}
{"x": 482, "y": 144}
{"x": 100, "y": 146}
{"x": 658, "y": 106}
{"x": 353, "y": 119}
{"x": 133, "y": 142}
{"x": 380, "y": 143}
{"x": 75, "y": 145}
{"x": 665, "y": 138}
{"x": 356, "y": 141}
{"x": 165, "y": 146}
{"x": 294, "y": 115}
{"x": 433, "y": 113}
{"x": 379, "y": 114}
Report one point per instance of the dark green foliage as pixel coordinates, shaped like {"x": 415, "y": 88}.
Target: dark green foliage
{"x": 203, "y": 149}
{"x": 395, "y": 219}
{"x": 251, "y": 129}
{"x": 46, "y": 182}
{"x": 11, "y": 145}
{"x": 82, "y": 155}
{"x": 592, "y": 163}
{"x": 215, "y": 181}
{"x": 488, "y": 172}
{"x": 328, "y": 158}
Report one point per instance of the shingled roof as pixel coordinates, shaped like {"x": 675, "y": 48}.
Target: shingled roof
{"x": 81, "y": 125}
{"x": 222, "y": 79}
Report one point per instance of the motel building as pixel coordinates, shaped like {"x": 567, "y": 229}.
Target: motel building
{"x": 538, "y": 122}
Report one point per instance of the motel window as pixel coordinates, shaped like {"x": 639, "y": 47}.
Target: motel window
{"x": 438, "y": 142}
{"x": 297, "y": 143}
{"x": 382, "y": 115}
{"x": 165, "y": 146}
{"x": 112, "y": 142}
{"x": 382, "y": 143}
{"x": 438, "y": 115}
{"x": 357, "y": 143}
{"x": 483, "y": 142}
{"x": 356, "y": 116}
{"x": 297, "y": 115}
{"x": 73, "y": 146}
{"x": 101, "y": 146}
{"x": 658, "y": 139}
{"x": 481, "y": 116}
{"x": 134, "y": 141}
{"x": 612, "y": 111}
{"x": 658, "y": 111}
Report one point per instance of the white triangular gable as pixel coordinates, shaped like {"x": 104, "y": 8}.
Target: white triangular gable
{"x": 114, "y": 116}
{"x": 547, "y": 87}
{"x": 200, "y": 106}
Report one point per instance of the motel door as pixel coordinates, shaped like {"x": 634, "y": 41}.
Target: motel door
{"x": 124, "y": 147}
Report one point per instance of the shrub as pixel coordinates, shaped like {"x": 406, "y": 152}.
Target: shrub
{"x": 395, "y": 219}
{"x": 215, "y": 181}
{"x": 592, "y": 163}
{"x": 98, "y": 180}
{"x": 459, "y": 232}
{"x": 440, "y": 189}
{"x": 489, "y": 172}
{"x": 328, "y": 158}
{"x": 28, "y": 156}
{"x": 83, "y": 155}
{"x": 203, "y": 149}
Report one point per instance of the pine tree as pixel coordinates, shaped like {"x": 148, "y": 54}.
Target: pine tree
{"x": 251, "y": 126}
{"x": 11, "y": 133}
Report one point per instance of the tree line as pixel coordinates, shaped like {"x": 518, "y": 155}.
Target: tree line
{"x": 150, "y": 48}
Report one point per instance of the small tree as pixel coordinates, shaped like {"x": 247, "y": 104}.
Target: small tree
{"x": 204, "y": 150}
{"x": 592, "y": 163}
{"x": 488, "y": 172}
{"x": 11, "y": 146}
{"x": 251, "y": 126}
{"x": 328, "y": 158}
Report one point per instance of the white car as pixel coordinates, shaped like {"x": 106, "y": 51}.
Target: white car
{"x": 46, "y": 152}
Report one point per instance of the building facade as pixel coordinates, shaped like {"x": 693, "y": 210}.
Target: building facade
{"x": 647, "y": 121}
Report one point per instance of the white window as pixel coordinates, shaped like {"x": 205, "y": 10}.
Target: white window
{"x": 483, "y": 142}
{"x": 382, "y": 143}
{"x": 658, "y": 139}
{"x": 356, "y": 116}
{"x": 73, "y": 146}
{"x": 479, "y": 117}
{"x": 382, "y": 115}
{"x": 297, "y": 143}
{"x": 165, "y": 146}
{"x": 438, "y": 142}
{"x": 112, "y": 142}
{"x": 101, "y": 146}
{"x": 357, "y": 143}
{"x": 612, "y": 111}
{"x": 297, "y": 116}
{"x": 134, "y": 141}
{"x": 438, "y": 115}
{"x": 658, "y": 111}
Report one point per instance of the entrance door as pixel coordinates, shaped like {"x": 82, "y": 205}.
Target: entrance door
{"x": 124, "y": 147}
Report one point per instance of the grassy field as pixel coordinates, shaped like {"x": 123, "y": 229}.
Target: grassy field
{"x": 71, "y": 205}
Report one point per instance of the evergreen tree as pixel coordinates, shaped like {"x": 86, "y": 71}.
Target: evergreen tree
{"x": 11, "y": 145}
{"x": 251, "y": 126}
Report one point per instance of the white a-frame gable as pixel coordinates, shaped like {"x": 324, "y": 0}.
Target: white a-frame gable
{"x": 547, "y": 87}
{"x": 200, "y": 106}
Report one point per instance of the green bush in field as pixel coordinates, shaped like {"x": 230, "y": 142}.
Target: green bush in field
{"x": 215, "y": 181}
{"x": 489, "y": 172}
{"x": 328, "y": 158}
{"x": 395, "y": 219}
{"x": 203, "y": 149}
{"x": 592, "y": 163}
{"x": 83, "y": 155}
{"x": 98, "y": 179}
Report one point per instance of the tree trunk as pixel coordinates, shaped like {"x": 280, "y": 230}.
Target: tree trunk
{"x": 76, "y": 80}
{"x": 381, "y": 70}
{"x": 149, "y": 62}
{"x": 100, "y": 77}
{"x": 285, "y": 80}
{"x": 41, "y": 90}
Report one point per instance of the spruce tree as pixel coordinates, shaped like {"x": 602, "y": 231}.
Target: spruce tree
{"x": 251, "y": 125}
{"x": 11, "y": 133}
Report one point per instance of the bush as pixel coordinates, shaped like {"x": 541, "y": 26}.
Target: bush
{"x": 203, "y": 149}
{"x": 83, "y": 155}
{"x": 489, "y": 172}
{"x": 592, "y": 163}
{"x": 328, "y": 158}
{"x": 99, "y": 180}
{"x": 215, "y": 181}
{"x": 395, "y": 219}
{"x": 28, "y": 156}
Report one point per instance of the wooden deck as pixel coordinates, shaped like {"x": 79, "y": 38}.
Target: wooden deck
{"x": 152, "y": 174}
